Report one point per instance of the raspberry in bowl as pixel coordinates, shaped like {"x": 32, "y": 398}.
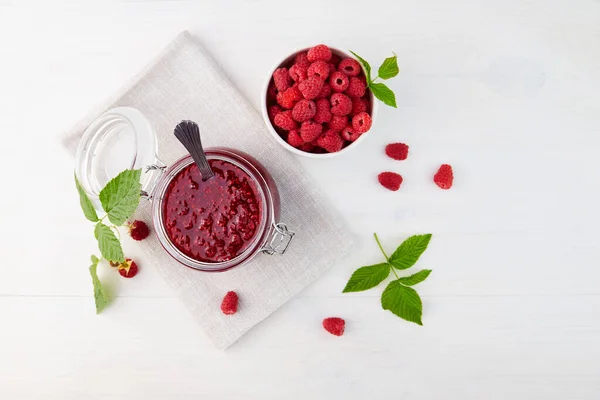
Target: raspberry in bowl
{"x": 316, "y": 102}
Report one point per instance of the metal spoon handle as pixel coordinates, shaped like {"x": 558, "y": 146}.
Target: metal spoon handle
{"x": 188, "y": 133}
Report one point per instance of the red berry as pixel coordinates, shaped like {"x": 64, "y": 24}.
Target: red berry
{"x": 359, "y": 105}
{"x": 325, "y": 92}
{"x": 390, "y": 180}
{"x": 311, "y": 87}
{"x": 444, "y": 177}
{"x": 304, "y": 110}
{"x": 323, "y": 113}
{"x": 229, "y": 304}
{"x": 334, "y": 325}
{"x": 332, "y": 68}
{"x": 356, "y": 88}
{"x": 272, "y": 91}
{"x": 302, "y": 59}
{"x": 298, "y": 72}
{"x": 361, "y": 122}
{"x": 338, "y": 122}
{"x": 308, "y": 147}
{"x": 128, "y": 269}
{"x": 338, "y": 81}
{"x": 138, "y": 230}
{"x": 340, "y": 104}
{"x": 318, "y": 68}
{"x": 285, "y": 121}
{"x": 310, "y": 130}
{"x": 273, "y": 111}
{"x": 349, "y": 66}
{"x": 335, "y": 59}
{"x": 282, "y": 80}
{"x": 289, "y": 97}
{"x": 319, "y": 52}
{"x": 294, "y": 139}
{"x": 330, "y": 141}
{"x": 397, "y": 151}
{"x": 349, "y": 134}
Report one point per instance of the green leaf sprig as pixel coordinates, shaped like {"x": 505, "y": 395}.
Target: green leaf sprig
{"x": 387, "y": 70}
{"x": 398, "y": 297}
{"x": 119, "y": 198}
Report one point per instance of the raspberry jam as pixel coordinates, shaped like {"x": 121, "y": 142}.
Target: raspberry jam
{"x": 216, "y": 220}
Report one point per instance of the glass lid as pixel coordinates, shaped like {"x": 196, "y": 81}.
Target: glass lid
{"x": 121, "y": 138}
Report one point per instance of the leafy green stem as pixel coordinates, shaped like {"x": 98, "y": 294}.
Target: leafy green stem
{"x": 394, "y": 271}
{"x": 381, "y": 247}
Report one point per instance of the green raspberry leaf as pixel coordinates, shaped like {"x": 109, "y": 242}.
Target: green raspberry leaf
{"x": 365, "y": 65}
{"x": 389, "y": 68}
{"x": 121, "y": 196}
{"x": 407, "y": 254}
{"x": 99, "y": 295}
{"x": 366, "y": 278}
{"x": 109, "y": 245}
{"x": 86, "y": 204}
{"x": 402, "y": 301}
{"x": 415, "y": 278}
{"x": 383, "y": 93}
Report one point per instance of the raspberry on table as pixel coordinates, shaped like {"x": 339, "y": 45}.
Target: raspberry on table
{"x": 390, "y": 180}
{"x": 319, "y": 52}
{"x": 311, "y": 87}
{"x": 285, "y": 121}
{"x": 323, "y": 113}
{"x": 338, "y": 122}
{"x": 318, "y": 68}
{"x": 310, "y": 130}
{"x": 304, "y": 110}
{"x": 338, "y": 81}
{"x": 289, "y": 97}
{"x": 229, "y": 304}
{"x": 356, "y": 88}
{"x": 340, "y": 104}
{"x": 138, "y": 230}
{"x": 444, "y": 177}
{"x": 331, "y": 141}
{"x": 334, "y": 325}
{"x": 349, "y": 134}
{"x": 273, "y": 111}
{"x": 350, "y": 67}
{"x": 282, "y": 79}
{"x": 302, "y": 59}
{"x": 294, "y": 139}
{"x": 361, "y": 122}
{"x": 397, "y": 151}
{"x": 128, "y": 269}
{"x": 359, "y": 104}
{"x": 325, "y": 92}
{"x": 298, "y": 72}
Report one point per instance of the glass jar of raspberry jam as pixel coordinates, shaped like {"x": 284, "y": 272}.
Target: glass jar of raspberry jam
{"x": 209, "y": 226}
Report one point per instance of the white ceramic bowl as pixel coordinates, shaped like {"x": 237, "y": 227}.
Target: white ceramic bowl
{"x": 279, "y": 139}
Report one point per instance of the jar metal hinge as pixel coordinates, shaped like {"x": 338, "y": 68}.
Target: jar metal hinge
{"x": 280, "y": 239}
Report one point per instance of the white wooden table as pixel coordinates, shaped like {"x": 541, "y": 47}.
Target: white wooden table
{"x": 505, "y": 91}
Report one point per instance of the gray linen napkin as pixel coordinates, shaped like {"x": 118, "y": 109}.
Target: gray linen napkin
{"x": 184, "y": 83}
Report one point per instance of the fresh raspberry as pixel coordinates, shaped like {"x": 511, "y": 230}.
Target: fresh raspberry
{"x": 390, "y": 180}
{"x": 340, "y": 104}
{"x": 334, "y": 325}
{"x": 444, "y": 177}
{"x": 338, "y": 81}
{"x": 318, "y": 68}
{"x": 330, "y": 141}
{"x": 282, "y": 80}
{"x": 349, "y": 66}
{"x": 273, "y": 111}
{"x": 285, "y": 121}
{"x": 288, "y": 98}
{"x": 311, "y": 87}
{"x": 338, "y": 122}
{"x": 319, "y": 52}
{"x": 128, "y": 269}
{"x": 325, "y": 92}
{"x": 349, "y": 134}
{"x": 304, "y": 110}
{"x": 302, "y": 59}
{"x": 229, "y": 304}
{"x": 308, "y": 147}
{"x": 332, "y": 68}
{"x": 298, "y": 72}
{"x": 397, "y": 151}
{"x": 138, "y": 230}
{"x": 310, "y": 130}
{"x": 356, "y": 88}
{"x": 323, "y": 113}
{"x": 335, "y": 59}
{"x": 272, "y": 91}
{"x": 294, "y": 139}
{"x": 359, "y": 105}
{"x": 361, "y": 122}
